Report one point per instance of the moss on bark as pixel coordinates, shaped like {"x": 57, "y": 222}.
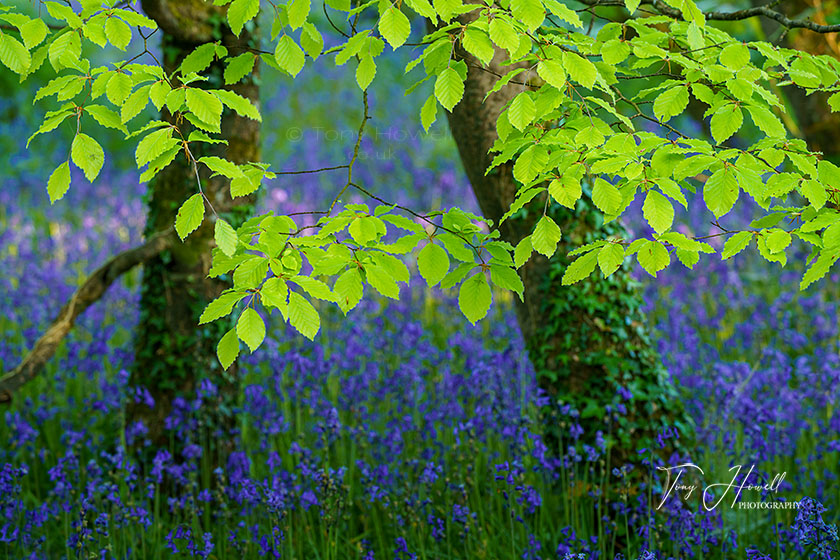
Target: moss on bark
{"x": 172, "y": 351}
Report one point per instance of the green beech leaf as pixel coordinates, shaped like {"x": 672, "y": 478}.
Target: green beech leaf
{"x": 521, "y": 111}
{"x": 688, "y": 258}
{"x": 190, "y": 216}
{"x": 105, "y": 117}
{"x": 199, "y": 59}
{"x": 315, "y": 288}
{"x": 580, "y": 268}
{"x": 297, "y": 11}
{"x": 530, "y": 163}
{"x": 222, "y": 167}
{"x": 241, "y": 11}
{"x": 289, "y": 55}
{"x": 834, "y": 102}
{"x": 529, "y": 12}
{"x": 456, "y": 274}
{"x": 250, "y": 328}
{"x": 449, "y": 88}
{"x": 135, "y": 103}
{"x": 477, "y": 43}
{"x": 366, "y": 229}
{"x": 615, "y": 51}
{"x": 348, "y": 289}
{"x": 766, "y": 121}
{"x": 392, "y": 264}
{"x": 546, "y": 236}
{"x": 777, "y": 240}
{"x": 606, "y": 197}
{"x": 590, "y": 137}
{"x": 365, "y": 71}
{"x": 672, "y": 190}
{"x": 564, "y": 12}
{"x": 275, "y": 293}
{"x": 658, "y": 212}
{"x": 352, "y": 47}
{"x": 506, "y": 278}
{"x": 205, "y": 106}
{"x": 88, "y": 155}
{"x": 523, "y": 251}
{"x": 226, "y": 238}
{"x": 771, "y": 256}
{"x": 394, "y": 27}
{"x": 433, "y": 263}
{"x": 13, "y": 54}
{"x": 228, "y": 348}
{"x": 118, "y": 33}
{"x": 653, "y": 256}
{"x": 503, "y": 34}
{"x": 65, "y": 51}
{"x": 175, "y": 99}
{"x": 692, "y": 13}
{"x": 241, "y": 105}
{"x": 382, "y": 281}
{"x": 239, "y": 67}
{"x": 814, "y": 192}
{"x": 580, "y": 69}
{"x": 721, "y": 192}
{"x": 303, "y": 316}
{"x": 736, "y": 244}
{"x": 153, "y": 145}
{"x": 133, "y": 18}
{"x": 566, "y": 191}
{"x": 118, "y": 88}
{"x": 610, "y": 258}
{"x": 59, "y": 182}
{"x": 403, "y": 223}
{"x": 726, "y": 121}
{"x": 735, "y": 56}
{"x": 819, "y": 268}
{"x": 33, "y": 32}
{"x": 428, "y": 113}
{"x": 696, "y": 40}
{"x": 220, "y": 307}
{"x": 670, "y": 103}
{"x": 474, "y": 297}
{"x": 552, "y": 72}
{"x": 424, "y": 8}
{"x": 829, "y": 175}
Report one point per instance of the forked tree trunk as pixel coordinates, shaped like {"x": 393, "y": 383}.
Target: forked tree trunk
{"x": 172, "y": 352}
{"x": 584, "y": 340}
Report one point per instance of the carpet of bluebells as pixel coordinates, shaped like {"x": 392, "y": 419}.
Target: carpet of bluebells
{"x": 402, "y": 432}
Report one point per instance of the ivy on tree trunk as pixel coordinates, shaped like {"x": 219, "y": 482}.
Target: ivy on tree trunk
{"x": 586, "y": 340}
{"x": 173, "y": 353}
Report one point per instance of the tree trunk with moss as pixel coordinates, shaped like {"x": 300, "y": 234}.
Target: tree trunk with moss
{"x": 172, "y": 351}
{"x": 585, "y": 340}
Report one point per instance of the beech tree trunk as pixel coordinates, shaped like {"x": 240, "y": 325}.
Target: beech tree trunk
{"x": 584, "y": 340}
{"x": 172, "y": 352}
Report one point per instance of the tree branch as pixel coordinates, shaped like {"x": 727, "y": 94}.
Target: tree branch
{"x": 763, "y": 11}
{"x": 93, "y": 288}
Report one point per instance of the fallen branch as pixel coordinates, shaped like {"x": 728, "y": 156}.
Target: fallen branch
{"x": 93, "y": 288}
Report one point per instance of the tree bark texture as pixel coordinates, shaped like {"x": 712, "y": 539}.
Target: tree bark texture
{"x": 584, "y": 340}
{"x": 172, "y": 352}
